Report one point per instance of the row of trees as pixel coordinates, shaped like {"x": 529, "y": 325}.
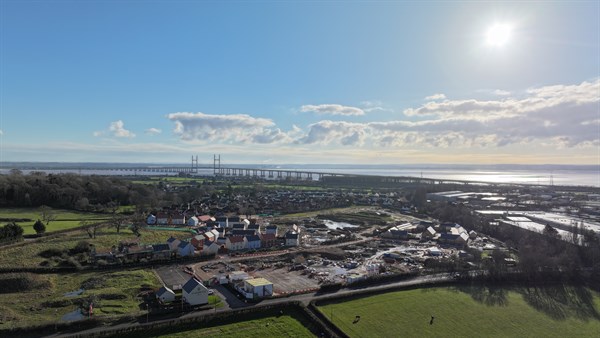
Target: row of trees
{"x": 70, "y": 191}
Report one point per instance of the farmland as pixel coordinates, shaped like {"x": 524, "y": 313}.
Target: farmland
{"x": 557, "y": 311}
{"x": 64, "y": 219}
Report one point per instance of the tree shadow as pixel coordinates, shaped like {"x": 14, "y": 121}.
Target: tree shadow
{"x": 489, "y": 295}
{"x": 561, "y": 301}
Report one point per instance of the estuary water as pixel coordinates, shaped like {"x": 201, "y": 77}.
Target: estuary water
{"x": 553, "y": 175}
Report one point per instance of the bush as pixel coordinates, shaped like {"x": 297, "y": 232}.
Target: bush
{"x": 39, "y": 227}
{"x": 52, "y": 252}
{"x": 81, "y": 247}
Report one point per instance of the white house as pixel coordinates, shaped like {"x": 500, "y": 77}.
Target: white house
{"x": 194, "y": 292}
{"x": 165, "y": 295}
{"x": 185, "y": 249}
{"x": 151, "y": 220}
{"x": 193, "y": 221}
{"x": 258, "y": 288}
{"x": 234, "y": 243}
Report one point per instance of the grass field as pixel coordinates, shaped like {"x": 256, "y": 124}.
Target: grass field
{"x": 287, "y": 325}
{"x": 113, "y": 293}
{"x": 471, "y": 312}
{"x": 64, "y": 219}
{"x": 29, "y": 253}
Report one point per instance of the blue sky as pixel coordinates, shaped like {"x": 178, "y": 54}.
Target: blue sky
{"x": 299, "y": 82}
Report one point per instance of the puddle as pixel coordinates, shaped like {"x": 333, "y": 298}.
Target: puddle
{"x": 73, "y": 316}
{"x": 74, "y": 293}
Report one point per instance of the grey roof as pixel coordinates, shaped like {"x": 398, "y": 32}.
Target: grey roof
{"x": 240, "y": 232}
{"x": 190, "y": 285}
{"x": 163, "y": 290}
{"x": 160, "y": 247}
{"x": 253, "y": 238}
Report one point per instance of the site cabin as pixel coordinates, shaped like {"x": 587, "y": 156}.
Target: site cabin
{"x": 165, "y": 295}
{"x": 255, "y": 288}
{"x": 185, "y": 249}
{"x": 428, "y": 233}
{"x": 151, "y": 220}
{"x": 194, "y": 292}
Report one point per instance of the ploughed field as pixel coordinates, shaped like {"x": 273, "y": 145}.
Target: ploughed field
{"x": 471, "y": 311}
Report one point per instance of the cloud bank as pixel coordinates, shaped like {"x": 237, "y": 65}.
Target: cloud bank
{"x": 562, "y": 116}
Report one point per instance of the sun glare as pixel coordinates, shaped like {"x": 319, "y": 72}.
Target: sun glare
{"x": 498, "y": 35}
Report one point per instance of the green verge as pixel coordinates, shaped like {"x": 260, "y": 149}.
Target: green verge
{"x": 559, "y": 311}
{"x": 257, "y": 325}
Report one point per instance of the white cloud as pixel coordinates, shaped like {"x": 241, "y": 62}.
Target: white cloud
{"x": 200, "y": 127}
{"x": 1, "y": 132}
{"x": 435, "y": 97}
{"x": 332, "y": 109}
{"x": 565, "y": 116}
{"x": 153, "y": 131}
{"x": 370, "y": 106}
{"x": 335, "y": 132}
{"x": 116, "y": 129}
{"x": 501, "y": 92}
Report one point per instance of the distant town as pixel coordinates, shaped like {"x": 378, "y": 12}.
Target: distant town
{"x": 208, "y": 247}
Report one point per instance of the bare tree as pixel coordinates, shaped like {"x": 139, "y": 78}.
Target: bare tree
{"x": 46, "y": 214}
{"x": 118, "y": 221}
{"x": 90, "y": 228}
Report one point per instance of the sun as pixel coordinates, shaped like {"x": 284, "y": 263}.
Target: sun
{"x": 498, "y": 35}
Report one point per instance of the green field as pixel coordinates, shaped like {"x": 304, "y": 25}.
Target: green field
{"x": 64, "y": 219}
{"x": 113, "y": 294}
{"x": 274, "y": 326}
{"x": 471, "y": 312}
{"x": 29, "y": 253}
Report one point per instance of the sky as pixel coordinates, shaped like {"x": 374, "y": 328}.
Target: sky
{"x": 300, "y": 82}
